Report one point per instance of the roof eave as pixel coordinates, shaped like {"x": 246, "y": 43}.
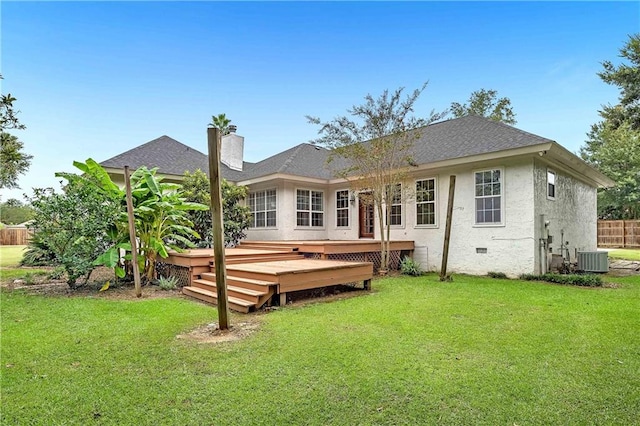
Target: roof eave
{"x": 574, "y": 163}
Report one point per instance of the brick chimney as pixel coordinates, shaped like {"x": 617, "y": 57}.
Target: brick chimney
{"x": 232, "y": 150}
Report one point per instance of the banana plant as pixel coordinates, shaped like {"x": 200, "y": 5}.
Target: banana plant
{"x": 160, "y": 217}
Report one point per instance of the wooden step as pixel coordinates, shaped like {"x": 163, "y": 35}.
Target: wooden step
{"x": 247, "y": 294}
{"x": 234, "y": 303}
{"x": 266, "y": 247}
{"x": 262, "y": 258}
{"x": 240, "y": 282}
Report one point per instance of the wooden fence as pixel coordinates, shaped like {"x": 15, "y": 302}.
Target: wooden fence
{"x": 619, "y": 233}
{"x": 14, "y": 236}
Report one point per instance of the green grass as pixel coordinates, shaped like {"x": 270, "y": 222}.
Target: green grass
{"x": 627, "y": 254}
{"x": 415, "y": 351}
{"x": 10, "y": 256}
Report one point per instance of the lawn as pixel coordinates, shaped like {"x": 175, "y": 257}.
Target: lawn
{"x": 627, "y": 254}
{"x": 413, "y": 351}
{"x": 10, "y": 256}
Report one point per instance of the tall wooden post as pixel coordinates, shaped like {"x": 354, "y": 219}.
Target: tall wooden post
{"x": 132, "y": 234}
{"x": 447, "y": 229}
{"x": 213, "y": 139}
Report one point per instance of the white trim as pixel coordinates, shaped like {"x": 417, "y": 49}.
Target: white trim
{"x": 436, "y": 203}
{"x": 502, "y": 198}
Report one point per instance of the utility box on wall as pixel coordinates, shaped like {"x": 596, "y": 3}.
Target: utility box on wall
{"x": 593, "y": 261}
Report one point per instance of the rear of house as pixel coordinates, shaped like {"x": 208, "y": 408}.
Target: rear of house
{"x": 513, "y": 190}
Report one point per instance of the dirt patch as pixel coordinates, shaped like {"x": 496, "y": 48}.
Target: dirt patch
{"x": 212, "y": 334}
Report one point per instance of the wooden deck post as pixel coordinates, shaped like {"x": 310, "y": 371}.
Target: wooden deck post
{"x": 132, "y": 234}
{"x": 213, "y": 139}
{"x": 447, "y": 229}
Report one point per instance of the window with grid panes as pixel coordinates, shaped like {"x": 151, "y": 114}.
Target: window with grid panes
{"x": 263, "y": 208}
{"x": 488, "y": 197}
{"x": 309, "y": 208}
{"x": 342, "y": 208}
{"x": 426, "y": 202}
{"x": 394, "y": 202}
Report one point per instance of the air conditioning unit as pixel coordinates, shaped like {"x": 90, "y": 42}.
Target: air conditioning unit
{"x": 593, "y": 261}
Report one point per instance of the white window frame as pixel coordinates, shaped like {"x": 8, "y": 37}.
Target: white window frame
{"x": 434, "y": 202}
{"x": 396, "y": 204}
{"x": 343, "y": 208}
{"x": 311, "y": 210}
{"x": 266, "y": 210}
{"x": 553, "y": 184}
{"x": 501, "y": 195}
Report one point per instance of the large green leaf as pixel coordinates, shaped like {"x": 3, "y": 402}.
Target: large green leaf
{"x": 109, "y": 258}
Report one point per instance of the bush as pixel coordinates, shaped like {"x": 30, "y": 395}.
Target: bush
{"x": 408, "y": 266}
{"x": 168, "y": 283}
{"x": 498, "y": 275}
{"x": 586, "y": 280}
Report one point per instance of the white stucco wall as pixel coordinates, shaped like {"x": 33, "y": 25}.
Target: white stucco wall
{"x": 286, "y": 227}
{"x": 574, "y": 210}
{"x": 510, "y": 247}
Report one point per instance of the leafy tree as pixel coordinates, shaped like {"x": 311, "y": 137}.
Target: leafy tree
{"x": 613, "y": 144}
{"x": 13, "y": 162}
{"x": 8, "y": 116}
{"x": 486, "y": 103}
{"x": 13, "y": 212}
{"x": 372, "y": 149}
{"x": 236, "y": 217}
{"x": 71, "y": 227}
{"x": 221, "y": 122}
{"x": 627, "y": 77}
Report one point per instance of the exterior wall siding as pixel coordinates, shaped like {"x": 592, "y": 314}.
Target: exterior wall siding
{"x": 511, "y": 248}
{"x": 574, "y": 210}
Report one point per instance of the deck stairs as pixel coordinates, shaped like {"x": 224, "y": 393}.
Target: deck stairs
{"x": 245, "y": 293}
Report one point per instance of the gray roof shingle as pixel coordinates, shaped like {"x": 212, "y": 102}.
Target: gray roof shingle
{"x": 165, "y": 153}
{"x": 445, "y": 140}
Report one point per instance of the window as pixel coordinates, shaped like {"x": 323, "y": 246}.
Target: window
{"x": 488, "y": 198}
{"x": 551, "y": 184}
{"x": 263, "y": 208}
{"x": 309, "y": 208}
{"x": 394, "y": 201}
{"x": 342, "y": 208}
{"x": 426, "y": 202}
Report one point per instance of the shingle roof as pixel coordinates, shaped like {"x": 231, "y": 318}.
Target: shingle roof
{"x": 302, "y": 160}
{"x": 455, "y": 138}
{"x": 467, "y": 136}
{"x": 165, "y": 153}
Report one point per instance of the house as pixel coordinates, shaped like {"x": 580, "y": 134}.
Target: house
{"x": 519, "y": 197}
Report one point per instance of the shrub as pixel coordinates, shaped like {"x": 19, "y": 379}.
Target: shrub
{"x": 498, "y": 275}
{"x": 168, "y": 283}
{"x": 408, "y": 266}
{"x": 584, "y": 280}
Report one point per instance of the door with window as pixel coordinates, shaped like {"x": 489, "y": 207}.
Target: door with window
{"x": 366, "y": 216}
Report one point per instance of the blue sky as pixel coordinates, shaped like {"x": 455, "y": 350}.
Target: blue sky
{"x": 96, "y": 79}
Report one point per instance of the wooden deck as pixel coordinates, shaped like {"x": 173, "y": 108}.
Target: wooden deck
{"x": 262, "y": 272}
{"x": 328, "y": 247}
{"x": 259, "y": 276}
